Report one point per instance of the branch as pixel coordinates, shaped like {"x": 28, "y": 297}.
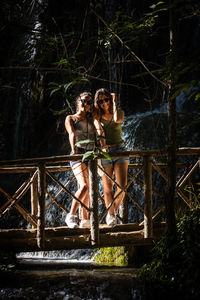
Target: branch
{"x": 64, "y": 69}
{"x": 128, "y": 48}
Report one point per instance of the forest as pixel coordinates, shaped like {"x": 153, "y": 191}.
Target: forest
{"x": 147, "y": 52}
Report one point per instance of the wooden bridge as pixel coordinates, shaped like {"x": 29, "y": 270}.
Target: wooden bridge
{"x": 146, "y": 168}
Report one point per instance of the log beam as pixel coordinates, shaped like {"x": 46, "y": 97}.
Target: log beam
{"x": 94, "y": 213}
{"x": 148, "y": 225}
{"x": 41, "y": 206}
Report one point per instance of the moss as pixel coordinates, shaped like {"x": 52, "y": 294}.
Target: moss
{"x": 111, "y": 256}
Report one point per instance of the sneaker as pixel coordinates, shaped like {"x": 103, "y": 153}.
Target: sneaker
{"x": 110, "y": 220}
{"x": 85, "y": 224}
{"x": 71, "y": 221}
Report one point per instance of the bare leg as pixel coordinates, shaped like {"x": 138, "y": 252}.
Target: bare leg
{"x": 81, "y": 174}
{"x": 121, "y": 171}
{"x": 108, "y": 188}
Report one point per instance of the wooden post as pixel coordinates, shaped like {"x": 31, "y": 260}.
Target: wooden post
{"x": 94, "y": 214}
{"x": 41, "y": 206}
{"x": 124, "y": 211}
{"x": 148, "y": 225}
{"x": 34, "y": 198}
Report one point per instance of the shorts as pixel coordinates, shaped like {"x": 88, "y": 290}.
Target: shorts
{"x": 79, "y": 151}
{"x": 115, "y": 160}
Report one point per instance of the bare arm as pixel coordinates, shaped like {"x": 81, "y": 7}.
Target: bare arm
{"x": 72, "y": 134}
{"x": 118, "y": 114}
{"x": 100, "y": 132}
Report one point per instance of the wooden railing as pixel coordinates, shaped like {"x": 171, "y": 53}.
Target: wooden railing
{"x": 41, "y": 168}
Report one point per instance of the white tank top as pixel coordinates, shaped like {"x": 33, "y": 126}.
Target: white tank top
{"x": 84, "y": 131}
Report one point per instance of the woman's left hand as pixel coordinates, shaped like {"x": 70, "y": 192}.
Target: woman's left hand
{"x": 114, "y": 98}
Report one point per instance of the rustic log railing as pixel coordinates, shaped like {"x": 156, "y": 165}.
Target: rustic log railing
{"x": 41, "y": 168}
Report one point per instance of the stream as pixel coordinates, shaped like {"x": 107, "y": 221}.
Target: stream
{"x": 35, "y": 278}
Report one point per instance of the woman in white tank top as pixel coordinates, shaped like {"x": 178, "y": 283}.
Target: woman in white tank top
{"x": 81, "y": 126}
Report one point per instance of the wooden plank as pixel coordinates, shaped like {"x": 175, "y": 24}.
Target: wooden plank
{"x": 41, "y": 206}
{"x": 17, "y": 195}
{"x": 65, "y": 158}
{"x": 185, "y": 199}
{"x": 148, "y": 225}
{"x": 59, "y": 192}
{"x": 16, "y": 170}
{"x": 188, "y": 175}
{"x": 27, "y": 216}
{"x": 94, "y": 213}
{"x": 77, "y": 242}
{"x": 56, "y": 202}
{"x": 65, "y": 231}
{"x": 34, "y": 198}
{"x": 66, "y": 190}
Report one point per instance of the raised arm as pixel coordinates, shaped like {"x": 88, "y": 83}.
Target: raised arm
{"x": 118, "y": 114}
{"x": 72, "y": 134}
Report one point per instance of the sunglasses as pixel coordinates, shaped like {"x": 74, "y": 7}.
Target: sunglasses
{"x": 85, "y": 101}
{"x": 88, "y": 102}
{"x": 103, "y": 100}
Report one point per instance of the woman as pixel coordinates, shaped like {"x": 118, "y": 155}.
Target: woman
{"x": 111, "y": 118}
{"x": 81, "y": 126}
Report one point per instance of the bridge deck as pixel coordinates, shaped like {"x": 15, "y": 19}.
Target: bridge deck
{"x": 61, "y": 238}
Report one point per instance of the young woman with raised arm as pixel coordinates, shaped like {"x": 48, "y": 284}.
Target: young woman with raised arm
{"x": 111, "y": 118}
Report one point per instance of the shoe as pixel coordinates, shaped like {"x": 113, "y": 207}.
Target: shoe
{"x": 110, "y": 220}
{"x": 71, "y": 221}
{"x": 85, "y": 224}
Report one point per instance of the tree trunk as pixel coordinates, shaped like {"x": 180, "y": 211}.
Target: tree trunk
{"x": 170, "y": 195}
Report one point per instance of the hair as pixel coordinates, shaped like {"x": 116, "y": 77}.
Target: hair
{"x": 79, "y": 97}
{"x": 105, "y": 92}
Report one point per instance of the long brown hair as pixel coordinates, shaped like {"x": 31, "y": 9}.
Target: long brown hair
{"x": 105, "y": 92}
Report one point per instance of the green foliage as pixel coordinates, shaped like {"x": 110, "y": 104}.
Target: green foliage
{"x": 92, "y": 154}
{"x": 111, "y": 256}
{"x": 194, "y": 192}
{"x": 177, "y": 267}
{"x": 63, "y": 88}
{"x": 7, "y": 261}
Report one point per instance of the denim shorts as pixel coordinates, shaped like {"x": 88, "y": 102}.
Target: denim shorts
{"x": 115, "y": 160}
{"x": 79, "y": 151}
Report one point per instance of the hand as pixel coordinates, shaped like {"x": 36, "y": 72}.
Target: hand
{"x": 105, "y": 149}
{"x": 74, "y": 151}
{"x": 114, "y": 98}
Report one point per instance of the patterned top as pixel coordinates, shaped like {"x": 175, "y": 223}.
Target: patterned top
{"x": 84, "y": 131}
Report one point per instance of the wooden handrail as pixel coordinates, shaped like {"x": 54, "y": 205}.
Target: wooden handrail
{"x": 48, "y": 165}
{"x": 67, "y": 158}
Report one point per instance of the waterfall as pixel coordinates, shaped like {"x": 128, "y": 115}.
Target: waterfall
{"x": 19, "y": 98}
{"x": 137, "y": 133}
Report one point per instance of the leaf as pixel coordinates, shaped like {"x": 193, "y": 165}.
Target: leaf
{"x": 106, "y": 155}
{"x": 60, "y": 112}
{"x": 54, "y": 91}
{"x": 67, "y": 85}
{"x": 87, "y": 154}
{"x": 53, "y": 83}
{"x": 84, "y": 142}
{"x": 197, "y": 96}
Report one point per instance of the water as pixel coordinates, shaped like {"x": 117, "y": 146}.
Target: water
{"x": 60, "y": 280}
